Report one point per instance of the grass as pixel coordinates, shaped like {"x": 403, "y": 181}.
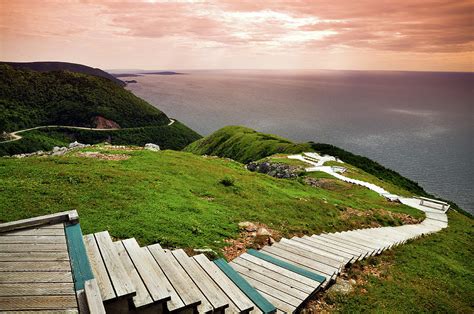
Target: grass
{"x": 434, "y": 274}
{"x": 178, "y": 199}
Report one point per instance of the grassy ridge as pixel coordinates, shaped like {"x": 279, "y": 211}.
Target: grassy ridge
{"x": 29, "y": 98}
{"x": 178, "y": 199}
{"x": 244, "y": 144}
{"x": 175, "y": 136}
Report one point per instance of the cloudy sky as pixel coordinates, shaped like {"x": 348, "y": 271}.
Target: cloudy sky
{"x": 427, "y": 35}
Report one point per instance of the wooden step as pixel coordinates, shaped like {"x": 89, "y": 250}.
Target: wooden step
{"x": 279, "y": 285}
{"x": 115, "y": 285}
{"x": 214, "y": 295}
{"x": 357, "y": 254}
{"x": 357, "y": 241}
{"x": 348, "y": 258}
{"x": 364, "y": 252}
{"x": 331, "y": 237}
{"x": 326, "y": 257}
{"x": 278, "y": 252}
{"x": 262, "y": 303}
{"x": 326, "y": 268}
{"x": 150, "y": 274}
{"x": 189, "y": 294}
{"x": 242, "y": 303}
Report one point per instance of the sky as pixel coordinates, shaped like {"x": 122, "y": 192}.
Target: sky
{"x": 419, "y": 35}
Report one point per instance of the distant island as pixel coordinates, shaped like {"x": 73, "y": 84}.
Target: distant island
{"x": 145, "y": 72}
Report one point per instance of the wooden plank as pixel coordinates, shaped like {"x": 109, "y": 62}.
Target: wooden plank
{"x": 282, "y": 286}
{"x": 364, "y": 252}
{"x": 303, "y": 272}
{"x": 70, "y": 216}
{"x": 185, "y": 288}
{"x": 143, "y": 297}
{"x": 333, "y": 267}
{"x": 19, "y": 277}
{"x": 301, "y": 258}
{"x": 174, "y": 303}
{"x": 33, "y": 256}
{"x": 357, "y": 254}
{"x": 207, "y": 286}
{"x": 14, "y": 303}
{"x": 46, "y": 266}
{"x": 22, "y": 239}
{"x": 32, "y": 247}
{"x": 347, "y": 258}
{"x": 153, "y": 277}
{"x": 280, "y": 305}
{"x": 94, "y": 300}
{"x": 57, "y": 231}
{"x": 81, "y": 268}
{"x": 303, "y": 279}
{"x": 242, "y": 302}
{"x": 326, "y": 257}
{"x": 118, "y": 276}
{"x": 291, "y": 259}
{"x": 98, "y": 268}
{"x": 357, "y": 241}
{"x": 38, "y": 288}
{"x": 332, "y": 248}
{"x": 245, "y": 287}
{"x": 257, "y": 270}
{"x": 339, "y": 240}
{"x": 269, "y": 290}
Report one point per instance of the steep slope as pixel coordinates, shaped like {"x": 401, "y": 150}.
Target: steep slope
{"x": 47, "y": 66}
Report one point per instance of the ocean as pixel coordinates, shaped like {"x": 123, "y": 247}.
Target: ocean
{"x": 420, "y": 124}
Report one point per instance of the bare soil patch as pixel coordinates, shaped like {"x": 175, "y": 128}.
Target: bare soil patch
{"x": 103, "y": 156}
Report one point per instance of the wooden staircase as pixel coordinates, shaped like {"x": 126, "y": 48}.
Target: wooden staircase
{"x": 278, "y": 278}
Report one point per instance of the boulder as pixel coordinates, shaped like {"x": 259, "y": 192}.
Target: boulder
{"x": 76, "y": 144}
{"x": 248, "y": 226}
{"x": 152, "y": 147}
{"x": 263, "y": 232}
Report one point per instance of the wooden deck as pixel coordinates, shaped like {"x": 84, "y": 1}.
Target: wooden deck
{"x": 47, "y": 265}
{"x": 35, "y": 272}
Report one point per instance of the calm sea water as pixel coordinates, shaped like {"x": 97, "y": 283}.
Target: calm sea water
{"x": 419, "y": 124}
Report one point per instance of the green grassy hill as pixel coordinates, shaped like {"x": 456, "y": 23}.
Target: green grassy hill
{"x": 190, "y": 201}
{"x": 30, "y": 98}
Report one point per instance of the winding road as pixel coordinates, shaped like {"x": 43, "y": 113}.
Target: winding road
{"x": 16, "y": 137}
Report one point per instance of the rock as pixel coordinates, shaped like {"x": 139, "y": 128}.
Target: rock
{"x": 248, "y": 226}
{"x": 152, "y": 147}
{"x": 76, "y": 144}
{"x": 352, "y": 281}
{"x": 282, "y": 171}
{"x": 263, "y": 232}
{"x": 271, "y": 241}
{"x": 341, "y": 287}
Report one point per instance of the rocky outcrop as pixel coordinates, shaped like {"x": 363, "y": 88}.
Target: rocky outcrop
{"x": 277, "y": 170}
{"x": 152, "y": 147}
{"x": 57, "y": 151}
{"x": 103, "y": 123}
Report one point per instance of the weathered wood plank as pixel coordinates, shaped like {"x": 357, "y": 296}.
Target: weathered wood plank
{"x": 56, "y": 231}
{"x": 153, "y": 277}
{"x": 38, "y": 288}
{"x": 325, "y": 257}
{"x": 282, "y": 286}
{"x": 188, "y": 292}
{"x": 356, "y": 254}
{"x": 363, "y": 252}
{"x": 245, "y": 287}
{"x": 142, "y": 298}
{"x": 274, "y": 275}
{"x": 81, "y": 268}
{"x": 208, "y": 287}
{"x": 230, "y": 289}
{"x": 120, "y": 280}
{"x": 22, "y": 239}
{"x": 13, "y": 303}
{"x": 70, "y": 216}
{"x": 46, "y": 266}
{"x": 283, "y": 271}
{"x": 33, "y": 247}
{"x": 280, "y": 305}
{"x": 33, "y": 256}
{"x": 98, "y": 268}
{"x": 347, "y": 258}
{"x": 19, "y": 277}
{"x": 94, "y": 300}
